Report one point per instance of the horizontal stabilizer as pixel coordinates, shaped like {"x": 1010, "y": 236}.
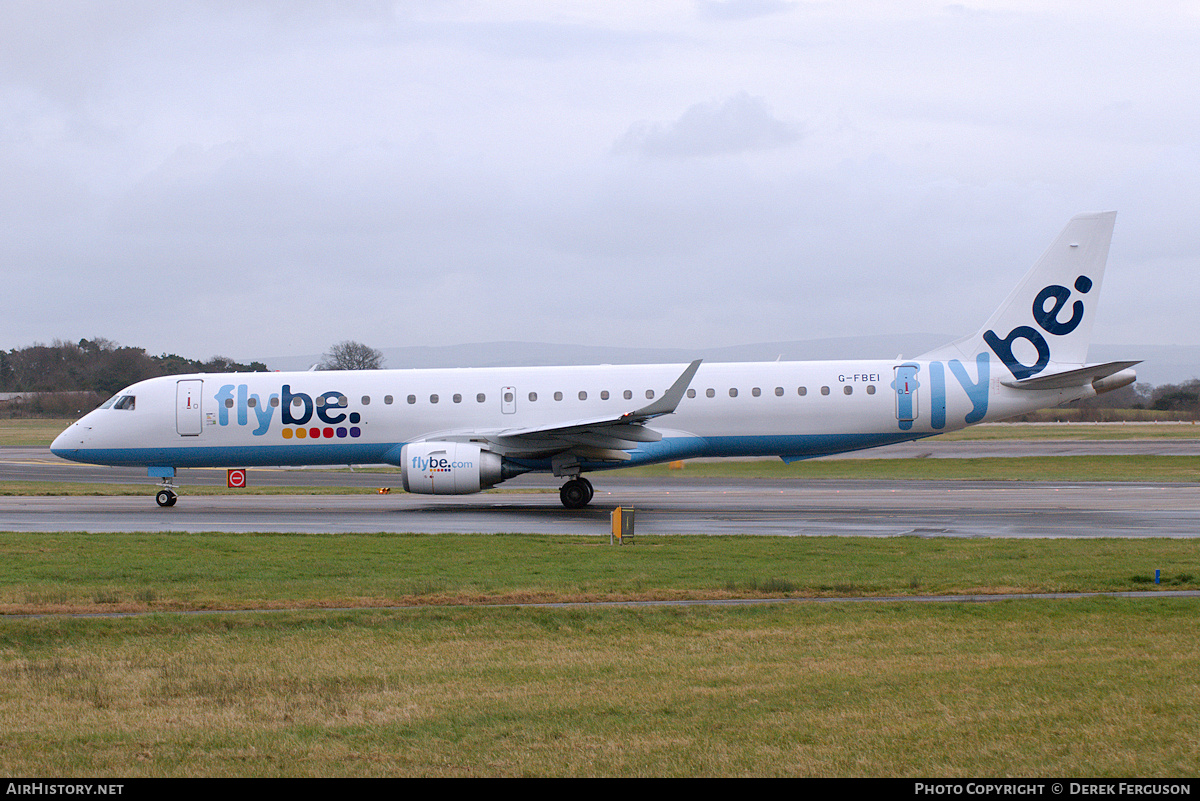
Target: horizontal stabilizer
{"x": 1080, "y": 377}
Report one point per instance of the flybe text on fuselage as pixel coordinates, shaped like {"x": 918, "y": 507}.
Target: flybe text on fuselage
{"x": 907, "y": 382}
{"x": 301, "y": 416}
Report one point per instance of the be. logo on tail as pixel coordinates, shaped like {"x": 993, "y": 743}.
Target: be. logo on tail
{"x": 1048, "y": 320}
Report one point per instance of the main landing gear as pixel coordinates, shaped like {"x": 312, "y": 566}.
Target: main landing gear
{"x": 576, "y": 493}
{"x": 166, "y": 497}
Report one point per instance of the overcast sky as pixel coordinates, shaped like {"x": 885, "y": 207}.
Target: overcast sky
{"x": 265, "y": 179}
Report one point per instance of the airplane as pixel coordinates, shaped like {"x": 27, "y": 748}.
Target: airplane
{"x": 463, "y": 430}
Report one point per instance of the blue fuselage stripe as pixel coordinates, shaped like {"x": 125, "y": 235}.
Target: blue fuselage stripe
{"x": 800, "y": 446}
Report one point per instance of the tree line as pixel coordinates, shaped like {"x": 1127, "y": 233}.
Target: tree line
{"x": 69, "y": 378}
{"x": 1179, "y": 401}
{"x": 97, "y": 365}
{"x": 78, "y": 376}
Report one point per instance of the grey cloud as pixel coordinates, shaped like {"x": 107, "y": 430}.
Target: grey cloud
{"x": 741, "y": 9}
{"x": 740, "y": 124}
{"x": 248, "y": 179}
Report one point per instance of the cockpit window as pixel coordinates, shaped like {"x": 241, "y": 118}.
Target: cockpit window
{"x": 125, "y": 402}
{"x": 108, "y": 403}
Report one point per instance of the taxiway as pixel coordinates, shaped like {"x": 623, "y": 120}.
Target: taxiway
{"x": 671, "y": 505}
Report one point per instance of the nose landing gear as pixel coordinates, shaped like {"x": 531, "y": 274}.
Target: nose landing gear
{"x": 166, "y": 485}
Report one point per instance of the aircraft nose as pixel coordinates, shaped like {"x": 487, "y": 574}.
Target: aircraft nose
{"x": 67, "y": 444}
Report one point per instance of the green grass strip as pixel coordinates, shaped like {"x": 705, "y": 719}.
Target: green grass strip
{"x": 1025, "y": 468}
{"x": 1095, "y": 688}
{"x": 65, "y": 571}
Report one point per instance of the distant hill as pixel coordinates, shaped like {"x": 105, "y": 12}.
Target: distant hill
{"x": 525, "y": 354}
{"x": 1163, "y": 364}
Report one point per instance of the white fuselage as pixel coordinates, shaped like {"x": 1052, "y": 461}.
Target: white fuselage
{"x": 787, "y": 409}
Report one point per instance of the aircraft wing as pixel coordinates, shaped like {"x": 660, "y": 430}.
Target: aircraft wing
{"x": 602, "y": 438}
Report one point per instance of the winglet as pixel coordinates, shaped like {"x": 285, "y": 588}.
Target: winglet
{"x": 667, "y": 403}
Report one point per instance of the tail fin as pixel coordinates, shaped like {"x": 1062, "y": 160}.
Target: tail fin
{"x": 1048, "y": 317}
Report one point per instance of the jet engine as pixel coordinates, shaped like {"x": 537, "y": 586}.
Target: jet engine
{"x": 452, "y": 468}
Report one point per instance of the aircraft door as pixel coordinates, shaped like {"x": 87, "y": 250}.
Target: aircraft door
{"x": 188, "y": 419}
{"x": 508, "y": 400}
{"x": 906, "y": 385}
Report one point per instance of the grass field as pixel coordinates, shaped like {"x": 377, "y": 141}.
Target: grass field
{"x": 1028, "y": 468}
{"x": 36, "y": 432}
{"x": 76, "y": 572}
{"x": 1075, "y": 431}
{"x": 1083, "y": 688}
{"x": 1100, "y": 687}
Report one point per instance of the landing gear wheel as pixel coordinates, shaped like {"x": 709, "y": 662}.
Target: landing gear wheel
{"x": 165, "y": 498}
{"x": 576, "y": 493}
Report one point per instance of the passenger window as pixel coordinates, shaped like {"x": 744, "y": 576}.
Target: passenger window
{"x": 252, "y": 401}
{"x": 756, "y": 392}
{"x": 412, "y": 398}
{"x": 779, "y": 392}
{"x": 628, "y": 395}
{"x": 847, "y": 390}
{"x": 457, "y": 398}
{"x": 532, "y": 396}
{"x": 480, "y": 398}
{"x": 228, "y": 403}
{"x": 582, "y": 395}
{"x": 691, "y": 393}
{"x": 649, "y": 394}
{"x": 387, "y": 399}
{"x": 274, "y": 400}
{"x": 366, "y": 400}
{"x": 604, "y": 394}
{"x": 824, "y": 390}
{"x": 801, "y": 391}
{"x": 870, "y": 389}
{"x": 509, "y": 397}
{"x": 710, "y": 393}
{"x": 558, "y": 396}
{"x": 733, "y": 392}
{"x": 433, "y": 398}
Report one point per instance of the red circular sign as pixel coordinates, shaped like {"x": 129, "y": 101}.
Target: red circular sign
{"x": 235, "y": 478}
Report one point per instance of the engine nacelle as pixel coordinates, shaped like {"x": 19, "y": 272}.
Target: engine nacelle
{"x": 449, "y": 468}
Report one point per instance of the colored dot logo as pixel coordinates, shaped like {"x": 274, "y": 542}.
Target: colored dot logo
{"x": 328, "y": 432}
